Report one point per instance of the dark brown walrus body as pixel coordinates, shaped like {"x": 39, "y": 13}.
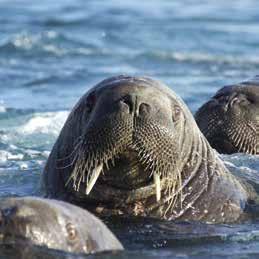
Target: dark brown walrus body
{"x": 131, "y": 146}
{"x": 230, "y": 119}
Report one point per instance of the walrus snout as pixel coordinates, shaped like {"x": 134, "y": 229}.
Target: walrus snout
{"x": 135, "y": 105}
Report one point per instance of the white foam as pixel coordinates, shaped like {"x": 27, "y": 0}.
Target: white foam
{"x": 54, "y": 49}
{"x": 44, "y": 123}
{"x": 5, "y": 156}
{"x": 46, "y": 153}
{"x": 227, "y": 163}
{"x": 2, "y": 107}
{"x": 23, "y": 41}
{"x": 12, "y": 146}
{"x": 206, "y": 57}
{"x": 44, "y": 41}
{"x": 23, "y": 166}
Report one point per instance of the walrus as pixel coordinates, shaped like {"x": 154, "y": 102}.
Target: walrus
{"x": 131, "y": 146}
{"x": 230, "y": 119}
{"x": 53, "y": 224}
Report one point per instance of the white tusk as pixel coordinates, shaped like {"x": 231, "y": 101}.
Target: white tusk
{"x": 94, "y": 176}
{"x": 156, "y": 178}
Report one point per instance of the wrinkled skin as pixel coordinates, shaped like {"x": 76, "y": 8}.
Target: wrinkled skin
{"x": 53, "y": 224}
{"x": 131, "y": 146}
{"x": 230, "y": 119}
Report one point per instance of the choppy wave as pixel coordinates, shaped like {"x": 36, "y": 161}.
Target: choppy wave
{"x": 21, "y": 157}
{"x": 52, "y": 51}
{"x": 18, "y": 148}
{"x": 44, "y": 123}
{"x": 245, "y": 162}
{"x": 56, "y": 22}
{"x": 200, "y": 57}
{"x": 2, "y": 109}
{"x": 190, "y": 237}
{"x": 5, "y": 156}
{"x": 57, "y": 44}
{"x": 48, "y": 42}
{"x": 244, "y": 166}
{"x": 27, "y": 122}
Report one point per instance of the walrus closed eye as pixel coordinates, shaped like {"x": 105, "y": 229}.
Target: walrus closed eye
{"x": 230, "y": 119}
{"x": 131, "y": 146}
{"x": 53, "y": 224}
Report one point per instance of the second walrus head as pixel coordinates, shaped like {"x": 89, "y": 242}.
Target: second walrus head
{"x": 32, "y": 221}
{"x": 230, "y": 119}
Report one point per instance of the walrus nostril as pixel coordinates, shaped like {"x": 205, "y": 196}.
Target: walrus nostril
{"x": 134, "y": 105}
{"x": 124, "y": 107}
{"x": 129, "y": 102}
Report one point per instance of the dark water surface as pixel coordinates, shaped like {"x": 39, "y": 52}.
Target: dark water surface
{"x": 51, "y": 52}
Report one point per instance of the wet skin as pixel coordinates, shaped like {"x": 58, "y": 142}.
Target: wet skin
{"x": 230, "y": 119}
{"x": 53, "y": 224}
{"x": 131, "y": 146}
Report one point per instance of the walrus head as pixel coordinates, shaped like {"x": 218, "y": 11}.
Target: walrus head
{"x": 230, "y": 119}
{"x": 130, "y": 145}
{"x": 130, "y": 136}
{"x": 54, "y": 224}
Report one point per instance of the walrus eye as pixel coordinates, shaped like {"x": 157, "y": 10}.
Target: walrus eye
{"x": 176, "y": 113}
{"x": 71, "y": 231}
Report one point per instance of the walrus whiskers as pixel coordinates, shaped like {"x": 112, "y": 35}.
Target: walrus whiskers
{"x": 73, "y": 153}
{"x": 68, "y": 165}
{"x": 78, "y": 142}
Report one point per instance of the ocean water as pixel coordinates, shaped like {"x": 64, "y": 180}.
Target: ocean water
{"x": 52, "y": 52}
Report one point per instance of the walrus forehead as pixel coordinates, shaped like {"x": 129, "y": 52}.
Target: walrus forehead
{"x": 108, "y": 97}
{"x": 138, "y": 82}
{"x": 247, "y": 88}
{"x": 252, "y": 91}
{"x": 130, "y": 80}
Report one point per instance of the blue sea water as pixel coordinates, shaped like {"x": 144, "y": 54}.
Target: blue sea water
{"x": 51, "y": 52}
